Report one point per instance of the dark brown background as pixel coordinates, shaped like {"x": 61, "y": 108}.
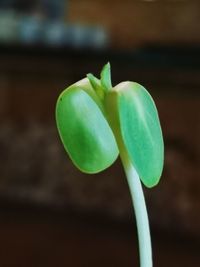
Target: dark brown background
{"x": 51, "y": 214}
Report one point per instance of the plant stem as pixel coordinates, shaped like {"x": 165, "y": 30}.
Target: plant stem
{"x": 142, "y": 221}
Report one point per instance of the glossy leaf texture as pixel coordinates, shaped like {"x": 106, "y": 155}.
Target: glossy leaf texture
{"x": 83, "y": 129}
{"x": 140, "y": 130}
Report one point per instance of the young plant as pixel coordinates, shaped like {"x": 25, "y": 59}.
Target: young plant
{"x": 97, "y": 122}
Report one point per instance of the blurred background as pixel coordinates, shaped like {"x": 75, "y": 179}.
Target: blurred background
{"x": 50, "y": 213}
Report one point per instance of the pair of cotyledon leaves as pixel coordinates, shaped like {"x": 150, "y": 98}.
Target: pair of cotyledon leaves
{"x": 95, "y": 121}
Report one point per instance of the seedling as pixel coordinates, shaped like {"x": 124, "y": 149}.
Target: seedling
{"x": 97, "y": 122}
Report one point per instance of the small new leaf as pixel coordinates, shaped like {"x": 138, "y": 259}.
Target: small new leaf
{"x": 106, "y": 77}
{"x": 96, "y": 85}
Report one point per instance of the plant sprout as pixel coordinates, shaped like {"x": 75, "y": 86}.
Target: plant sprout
{"x": 97, "y": 122}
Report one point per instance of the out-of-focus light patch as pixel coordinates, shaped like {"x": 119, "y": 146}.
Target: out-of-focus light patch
{"x": 45, "y": 26}
{"x": 32, "y": 29}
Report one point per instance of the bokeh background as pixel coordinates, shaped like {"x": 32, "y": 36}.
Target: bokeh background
{"x": 50, "y": 213}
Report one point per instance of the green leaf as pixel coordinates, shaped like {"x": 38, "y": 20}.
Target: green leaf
{"x": 83, "y": 129}
{"x": 106, "y": 77}
{"x": 139, "y": 128}
{"x": 96, "y": 84}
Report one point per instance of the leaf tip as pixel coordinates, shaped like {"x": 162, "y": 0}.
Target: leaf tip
{"x": 106, "y": 77}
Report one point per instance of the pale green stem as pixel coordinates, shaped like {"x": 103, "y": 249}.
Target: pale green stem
{"x": 142, "y": 221}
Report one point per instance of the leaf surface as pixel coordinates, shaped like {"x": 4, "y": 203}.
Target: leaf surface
{"x": 83, "y": 129}
{"x": 141, "y": 131}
